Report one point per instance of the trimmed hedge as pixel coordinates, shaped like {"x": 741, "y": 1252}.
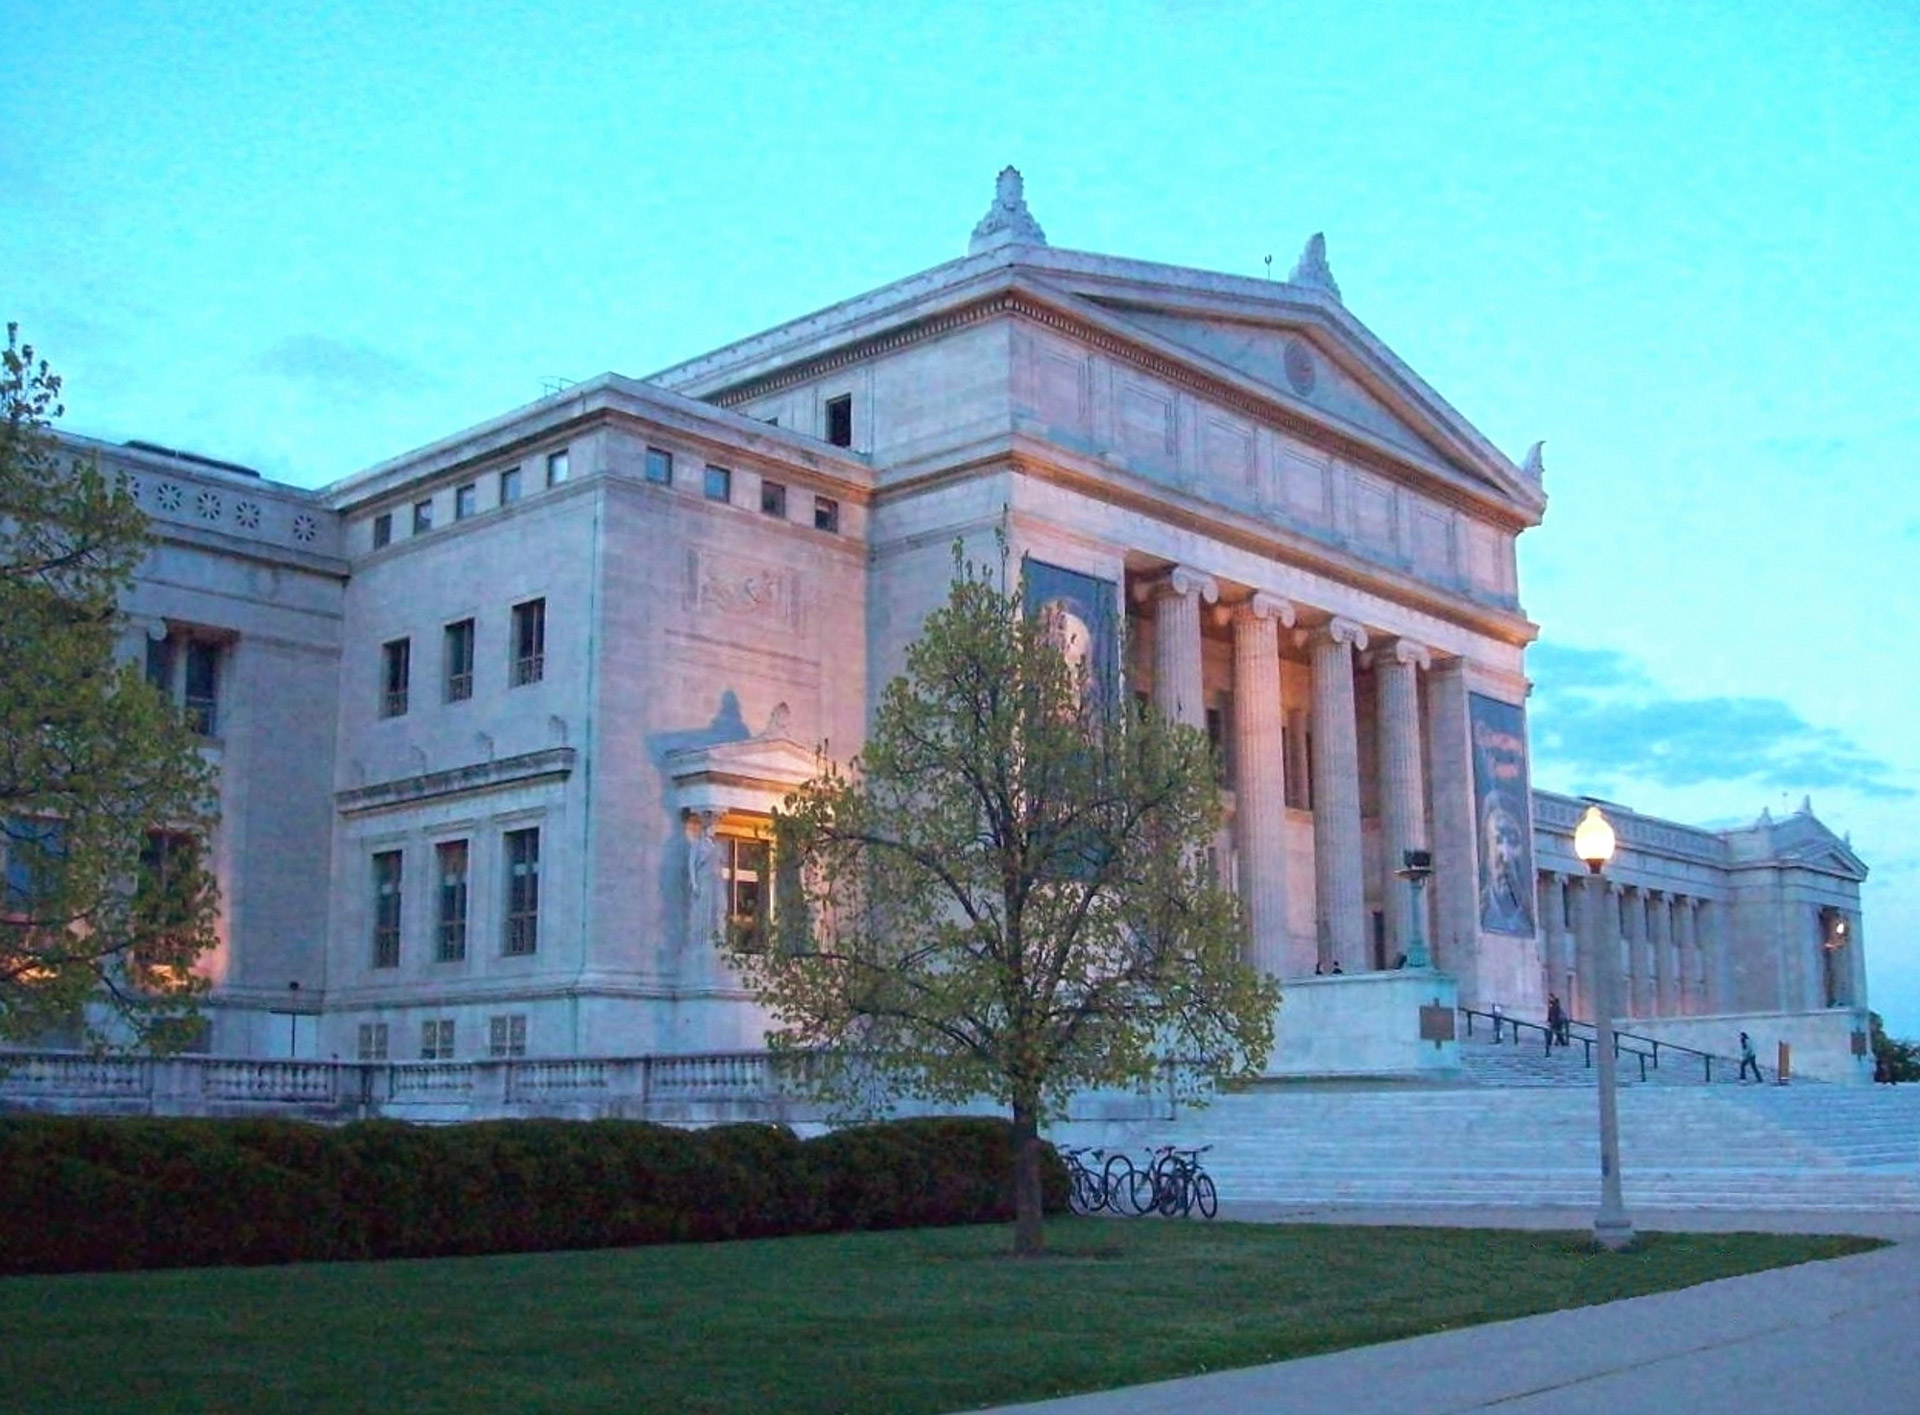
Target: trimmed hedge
{"x": 89, "y": 1195}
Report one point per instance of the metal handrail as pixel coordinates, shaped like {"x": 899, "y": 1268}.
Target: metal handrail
{"x": 1622, "y": 1041}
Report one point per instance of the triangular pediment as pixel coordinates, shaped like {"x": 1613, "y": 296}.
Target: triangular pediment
{"x": 1322, "y": 363}
{"x": 753, "y": 774}
{"x": 1294, "y": 365}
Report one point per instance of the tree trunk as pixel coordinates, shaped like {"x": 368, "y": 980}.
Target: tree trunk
{"x": 1029, "y": 1237}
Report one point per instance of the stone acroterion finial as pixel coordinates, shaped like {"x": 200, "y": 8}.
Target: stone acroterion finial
{"x": 1312, "y": 269}
{"x": 1007, "y": 222}
{"x": 1534, "y": 468}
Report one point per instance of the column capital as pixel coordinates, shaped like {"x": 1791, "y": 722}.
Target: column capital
{"x": 1179, "y": 582}
{"x": 1340, "y": 630}
{"x": 1408, "y": 651}
{"x": 1265, "y": 606}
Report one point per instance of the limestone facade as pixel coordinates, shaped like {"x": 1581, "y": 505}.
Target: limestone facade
{"x": 501, "y": 719}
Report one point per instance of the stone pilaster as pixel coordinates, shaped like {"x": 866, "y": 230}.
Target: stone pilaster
{"x": 1403, "y": 784}
{"x": 1177, "y": 597}
{"x": 1260, "y": 811}
{"x": 1339, "y": 886}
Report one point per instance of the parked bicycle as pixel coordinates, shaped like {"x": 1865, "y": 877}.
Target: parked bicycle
{"x": 1179, "y": 1185}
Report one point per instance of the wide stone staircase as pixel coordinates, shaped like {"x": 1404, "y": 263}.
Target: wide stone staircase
{"x": 1520, "y": 1129}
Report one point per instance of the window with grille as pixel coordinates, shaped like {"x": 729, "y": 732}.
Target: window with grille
{"x": 457, "y": 650}
{"x": 745, "y": 881}
{"x": 450, "y": 862}
{"x": 373, "y": 1041}
{"x": 436, "y": 1039}
{"x": 507, "y": 1036}
{"x": 529, "y": 643}
{"x": 396, "y": 662}
{"x": 386, "y": 909}
{"x": 523, "y": 891}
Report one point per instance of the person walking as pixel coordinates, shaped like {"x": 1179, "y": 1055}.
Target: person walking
{"x": 1748, "y": 1059}
{"x": 1556, "y": 1021}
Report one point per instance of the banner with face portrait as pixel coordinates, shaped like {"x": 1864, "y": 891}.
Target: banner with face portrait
{"x": 1082, "y": 608}
{"x": 1500, "y": 795}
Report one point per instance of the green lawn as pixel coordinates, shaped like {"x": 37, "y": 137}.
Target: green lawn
{"x": 925, "y": 1321}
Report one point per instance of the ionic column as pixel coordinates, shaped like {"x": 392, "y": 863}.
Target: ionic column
{"x": 1339, "y": 889}
{"x": 1177, "y": 597}
{"x": 1659, "y": 951}
{"x": 1713, "y": 959}
{"x": 1637, "y": 994}
{"x": 1623, "y": 903}
{"x": 1403, "y": 784}
{"x": 1260, "y": 806}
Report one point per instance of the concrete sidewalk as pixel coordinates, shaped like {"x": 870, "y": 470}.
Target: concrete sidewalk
{"x": 1840, "y": 1336}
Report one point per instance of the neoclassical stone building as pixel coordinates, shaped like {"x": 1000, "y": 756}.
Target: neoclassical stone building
{"x": 501, "y": 720}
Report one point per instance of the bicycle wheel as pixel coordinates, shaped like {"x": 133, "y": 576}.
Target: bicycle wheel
{"x": 1205, "y": 1197}
{"x": 1085, "y": 1197}
{"x": 1173, "y": 1194}
{"x": 1130, "y": 1191}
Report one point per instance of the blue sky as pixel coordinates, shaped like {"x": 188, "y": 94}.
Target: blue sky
{"x": 1675, "y": 241}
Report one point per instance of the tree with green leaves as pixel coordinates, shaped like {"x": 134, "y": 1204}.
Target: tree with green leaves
{"x": 105, "y": 798}
{"x": 1893, "y": 1059}
{"x": 1010, "y": 892}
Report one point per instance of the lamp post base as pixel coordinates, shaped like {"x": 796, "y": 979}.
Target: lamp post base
{"x": 1613, "y": 1232}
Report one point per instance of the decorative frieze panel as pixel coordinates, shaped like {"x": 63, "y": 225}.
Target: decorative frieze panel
{"x": 184, "y": 500}
{"x": 1227, "y": 449}
{"x": 735, "y": 588}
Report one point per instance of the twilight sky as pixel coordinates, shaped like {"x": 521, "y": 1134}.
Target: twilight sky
{"x": 1677, "y": 241}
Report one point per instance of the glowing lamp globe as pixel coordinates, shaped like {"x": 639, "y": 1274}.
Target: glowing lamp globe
{"x": 1593, "y": 839}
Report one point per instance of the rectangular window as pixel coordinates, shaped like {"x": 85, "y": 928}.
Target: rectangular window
{"x": 422, "y": 517}
{"x": 373, "y": 1041}
{"x": 386, "y": 909}
{"x": 840, "y": 420}
{"x": 523, "y": 891}
{"x": 457, "y": 654}
{"x": 160, "y": 665}
{"x": 450, "y": 861}
{"x": 659, "y": 467}
{"x": 507, "y": 1036}
{"x": 743, "y": 869}
{"x": 719, "y": 484}
{"x": 557, "y": 464}
{"x": 200, "y": 689}
{"x": 436, "y": 1039}
{"x": 396, "y": 663}
{"x": 33, "y": 850}
{"x": 466, "y": 500}
{"x": 383, "y": 529}
{"x": 826, "y": 514}
{"x": 166, "y": 898}
{"x": 773, "y": 499}
{"x": 529, "y": 643}
{"x": 509, "y": 486}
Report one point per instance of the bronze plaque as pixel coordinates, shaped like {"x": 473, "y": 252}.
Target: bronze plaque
{"x": 1436, "y": 1023}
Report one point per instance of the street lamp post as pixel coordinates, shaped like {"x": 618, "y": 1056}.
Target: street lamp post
{"x": 1593, "y": 842}
{"x": 1418, "y": 864}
